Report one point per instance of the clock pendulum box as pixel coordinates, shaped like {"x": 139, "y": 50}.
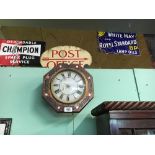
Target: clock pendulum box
{"x": 68, "y": 88}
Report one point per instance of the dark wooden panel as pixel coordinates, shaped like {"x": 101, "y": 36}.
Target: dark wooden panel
{"x": 137, "y": 123}
{"x": 107, "y": 106}
{"x": 114, "y": 128}
{"x": 102, "y": 124}
{"x": 144, "y": 131}
{"x": 125, "y": 131}
{"x": 119, "y": 114}
{"x": 114, "y": 25}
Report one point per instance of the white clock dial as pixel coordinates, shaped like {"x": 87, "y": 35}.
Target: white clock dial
{"x": 68, "y": 86}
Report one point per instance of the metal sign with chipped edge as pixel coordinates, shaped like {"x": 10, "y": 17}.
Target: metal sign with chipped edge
{"x": 118, "y": 43}
{"x": 65, "y": 54}
{"x": 21, "y": 52}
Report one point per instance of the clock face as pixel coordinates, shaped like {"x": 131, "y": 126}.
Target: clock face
{"x": 68, "y": 86}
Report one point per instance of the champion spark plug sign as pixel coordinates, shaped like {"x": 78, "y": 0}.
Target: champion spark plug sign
{"x": 65, "y": 54}
{"x": 118, "y": 43}
{"x": 21, "y": 53}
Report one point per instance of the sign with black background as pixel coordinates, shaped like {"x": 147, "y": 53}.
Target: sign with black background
{"x": 21, "y": 53}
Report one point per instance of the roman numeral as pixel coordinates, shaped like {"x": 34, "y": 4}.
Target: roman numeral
{"x": 79, "y": 92}
{"x": 63, "y": 75}
{"x": 69, "y": 74}
{"x": 57, "y": 78}
{"x": 67, "y": 98}
{"x": 57, "y": 91}
{"x": 75, "y": 76}
{"x": 56, "y": 85}
{"x": 61, "y": 96}
{"x": 81, "y": 86}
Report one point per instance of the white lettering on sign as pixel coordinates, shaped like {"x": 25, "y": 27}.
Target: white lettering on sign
{"x": 8, "y": 49}
{"x": 20, "y": 42}
{"x": 120, "y": 35}
{"x": 65, "y": 54}
{"x": 68, "y": 109}
{"x": 2, "y": 129}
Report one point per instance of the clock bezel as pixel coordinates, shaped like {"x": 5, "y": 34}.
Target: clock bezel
{"x": 76, "y": 106}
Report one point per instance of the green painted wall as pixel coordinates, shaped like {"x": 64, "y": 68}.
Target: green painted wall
{"x": 20, "y": 99}
{"x": 146, "y": 84}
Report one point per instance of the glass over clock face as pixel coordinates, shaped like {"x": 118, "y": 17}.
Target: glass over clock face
{"x": 68, "y": 86}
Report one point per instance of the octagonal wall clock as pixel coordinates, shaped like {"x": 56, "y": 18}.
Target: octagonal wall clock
{"x": 68, "y": 88}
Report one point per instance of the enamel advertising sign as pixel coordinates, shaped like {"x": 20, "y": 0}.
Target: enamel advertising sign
{"x": 21, "y": 53}
{"x": 118, "y": 43}
{"x": 65, "y": 54}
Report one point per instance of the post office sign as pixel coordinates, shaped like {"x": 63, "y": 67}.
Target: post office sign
{"x": 65, "y": 54}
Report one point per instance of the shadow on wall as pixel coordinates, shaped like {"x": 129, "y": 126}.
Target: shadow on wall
{"x": 45, "y": 112}
{"x": 86, "y": 126}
